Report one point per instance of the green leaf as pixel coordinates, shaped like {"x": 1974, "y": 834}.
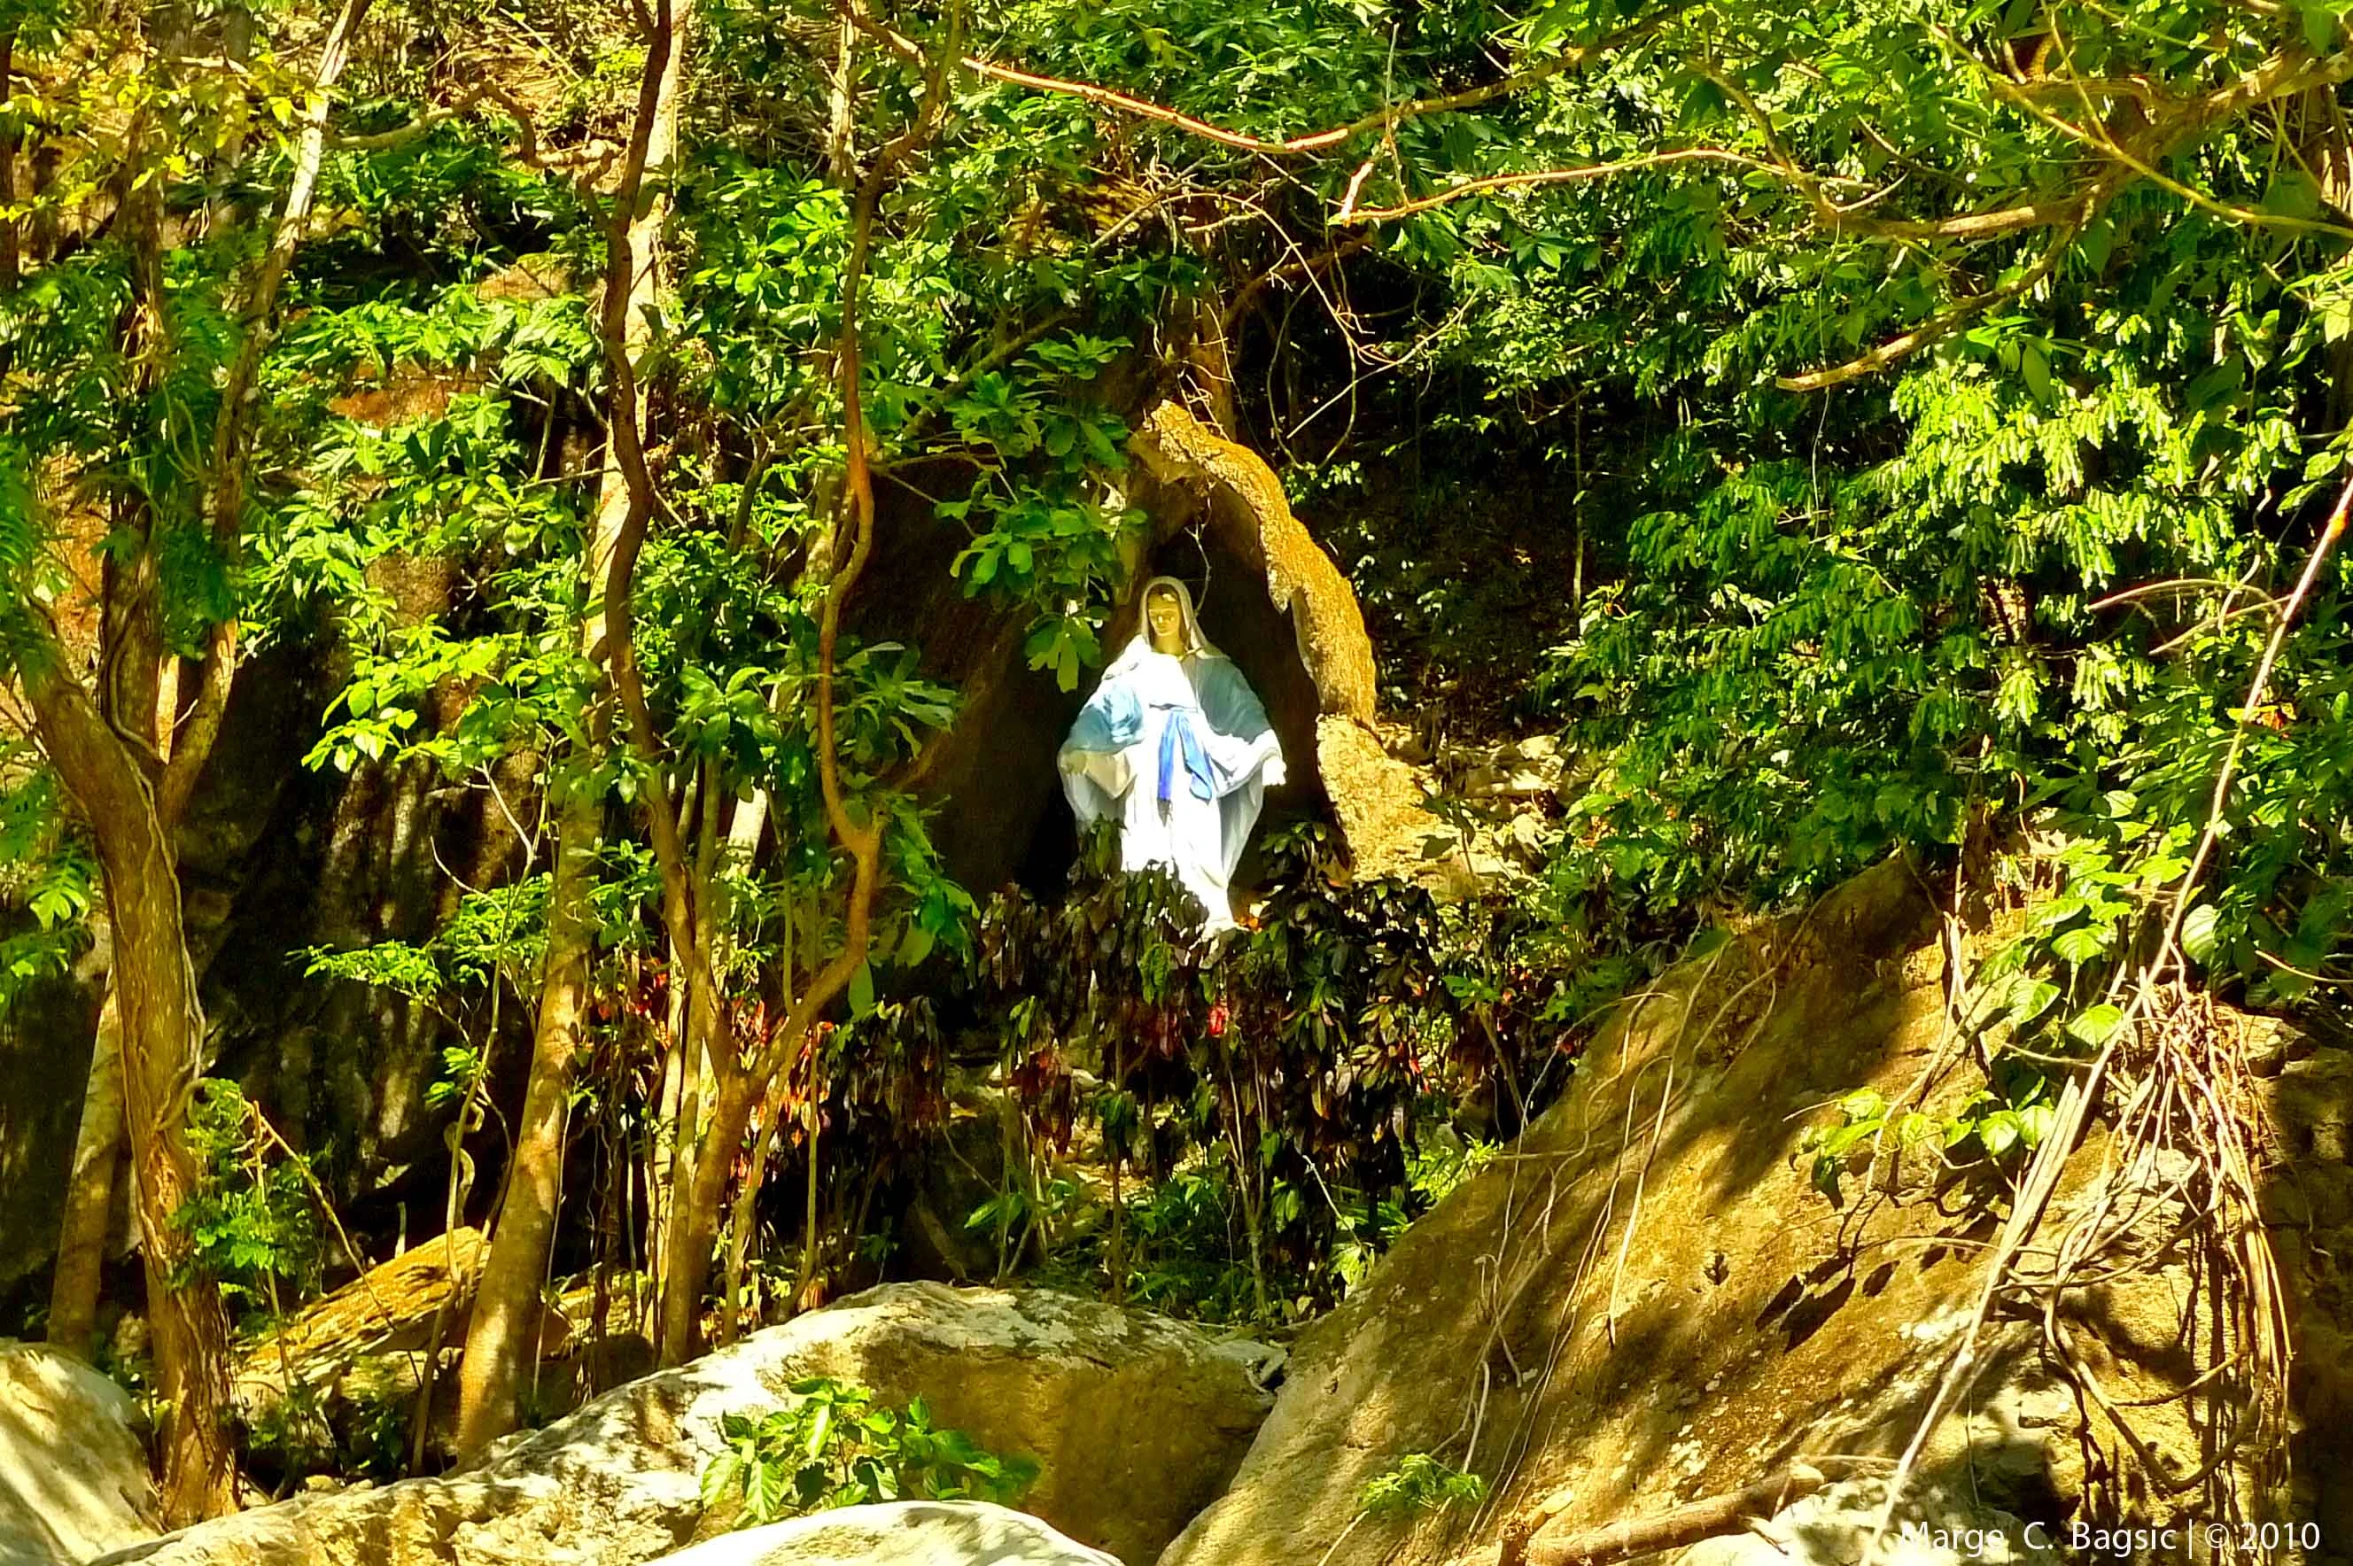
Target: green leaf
{"x": 2198, "y": 932}
{"x": 2080, "y": 945}
{"x": 862, "y": 990}
{"x": 2093, "y": 1024}
{"x": 2037, "y": 371}
{"x": 2034, "y": 1123}
{"x": 2029, "y": 998}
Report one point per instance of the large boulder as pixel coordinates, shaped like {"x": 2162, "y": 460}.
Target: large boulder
{"x": 361, "y": 1355}
{"x": 1648, "y": 1303}
{"x": 73, "y": 1474}
{"x": 902, "y": 1533}
{"x": 1138, "y": 1422}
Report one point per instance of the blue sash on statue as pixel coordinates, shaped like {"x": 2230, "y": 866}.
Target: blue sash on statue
{"x": 1179, "y": 744}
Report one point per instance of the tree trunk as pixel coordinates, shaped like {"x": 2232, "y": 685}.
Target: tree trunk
{"x": 506, "y": 1302}
{"x": 506, "y": 1314}
{"x": 695, "y": 1205}
{"x": 107, "y": 748}
{"x": 11, "y": 247}
{"x": 89, "y": 1194}
{"x": 161, "y": 1028}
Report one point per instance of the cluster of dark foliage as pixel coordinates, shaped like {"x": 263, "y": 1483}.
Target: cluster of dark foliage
{"x": 1300, "y": 1068}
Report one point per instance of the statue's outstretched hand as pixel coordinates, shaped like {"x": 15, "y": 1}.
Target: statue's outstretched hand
{"x": 1273, "y": 774}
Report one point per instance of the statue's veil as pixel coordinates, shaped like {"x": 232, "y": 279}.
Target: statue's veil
{"x": 1196, "y": 645}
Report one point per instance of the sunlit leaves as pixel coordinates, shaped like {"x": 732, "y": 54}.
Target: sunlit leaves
{"x": 48, "y": 878}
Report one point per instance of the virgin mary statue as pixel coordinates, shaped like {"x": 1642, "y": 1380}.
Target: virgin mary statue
{"x": 1175, "y": 747}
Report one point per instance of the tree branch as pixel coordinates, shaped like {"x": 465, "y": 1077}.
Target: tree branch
{"x": 625, "y": 433}
{"x": 1563, "y": 176}
{"x": 1383, "y": 119}
{"x": 2280, "y": 74}
{"x": 402, "y": 135}
{"x": 1946, "y": 321}
{"x": 231, "y": 460}
{"x": 1299, "y": 266}
{"x": 861, "y": 839}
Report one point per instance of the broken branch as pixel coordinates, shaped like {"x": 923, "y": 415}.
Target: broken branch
{"x": 1702, "y": 1519}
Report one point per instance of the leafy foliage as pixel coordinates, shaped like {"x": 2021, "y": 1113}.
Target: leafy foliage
{"x": 1913, "y": 416}
{"x": 253, "y": 1220}
{"x": 48, "y": 884}
{"x": 1301, "y": 1062}
{"x": 1418, "y": 1482}
{"x": 832, "y": 1445}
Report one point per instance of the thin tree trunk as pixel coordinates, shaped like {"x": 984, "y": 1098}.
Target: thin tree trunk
{"x": 744, "y": 830}
{"x": 739, "y": 1234}
{"x": 104, "y": 746}
{"x": 89, "y": 1193}
{"x": 11, "y": 246}
{"x": 505, "y": 1315}
{"x": 233, "y": 429}
{"x": 453, "y": 1212}
{"x": 695, "y": 1204}
{"x": 810, "y": 1224}
{"x": 506, "y": 1300}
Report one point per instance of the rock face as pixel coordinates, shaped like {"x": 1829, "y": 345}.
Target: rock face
{"x": 391, "y": 1310}
{"x": 73, "y": 1476}
{"x": 1138, "y": 1421}
{"x": 1649, "y": 1303}
{"x": 1376, "y": 798}
{"x": 903, "y": 1533}
{"x": 1246, "y": 500}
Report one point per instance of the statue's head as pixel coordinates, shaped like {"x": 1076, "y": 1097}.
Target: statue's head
{"x": 1164, "y": 615}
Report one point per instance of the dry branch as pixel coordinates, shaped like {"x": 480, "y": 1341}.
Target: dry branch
{"x": 1707, "y": 1518}
{"x": 1575, "y": 174}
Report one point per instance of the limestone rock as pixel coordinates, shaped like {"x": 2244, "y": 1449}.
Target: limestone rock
{"x": 1528, "y": 769}
{"x": 903, "y": 1533}
{"x": 364, "y": 1348}
{"x": 389, "y": 1310}
{"x": 1137, "y": 1420}
{"x": 1544, "y": 1327}
{"x": 1376, "y": 796}
{"x": 73, "y": 1475}
{"x": 1378, "y": 800}
{"x": 1246, "y": 501}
